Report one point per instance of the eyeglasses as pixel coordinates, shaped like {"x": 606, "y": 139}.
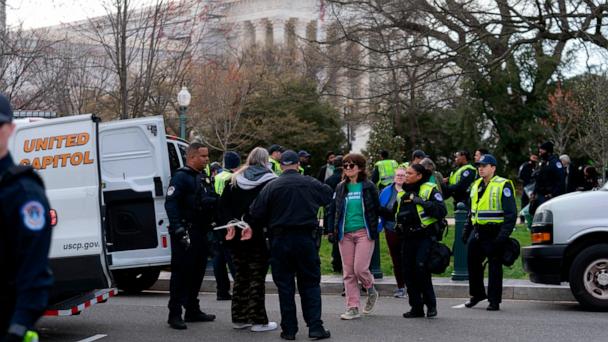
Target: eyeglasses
{"x": 349, "y": 165}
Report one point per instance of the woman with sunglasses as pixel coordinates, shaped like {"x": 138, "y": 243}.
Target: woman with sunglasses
{"x": 353, "y": 218}
{"x": 388, "y": 210}
{"x": 420, "y": 209}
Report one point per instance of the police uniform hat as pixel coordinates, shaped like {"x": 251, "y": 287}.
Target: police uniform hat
{"x": 6, "y": 111}
{"x": 510, "y": 252}
{"x": 231, "y": 160}
{"x": 274, "y": 148}
{"x": 289, "y": 157}
{"x": 487, "y": 159}
{"x": 303, "y": 154}
{"x": 547, "y": 146}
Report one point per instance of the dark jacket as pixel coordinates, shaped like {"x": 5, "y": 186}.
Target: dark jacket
{"x": 236, "y": 200}
{"x": 335, "y": 179}
{"x": 24, "y": 247}
{"x": 460, "y": 191}
{"x": 291, "y": 201}
{"x": 371, "y": 209}
{"x": 549, "y": 177}
{"x": 408, "y": 220}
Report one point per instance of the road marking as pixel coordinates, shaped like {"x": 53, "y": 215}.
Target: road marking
{"x": 459, "y": 306}
{"x": 93, "y": 338}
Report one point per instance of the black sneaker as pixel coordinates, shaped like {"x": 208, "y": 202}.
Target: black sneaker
{"x": 319, "y": 335}
{"x": 493, "y": 307}
{"x": 199, "y": 317}
{"x": 431, "y": 312}
{"x": 413, "y": 314}
{"x": 474, "y": 301}
{"x": 176, "y": 322}
{"x": 286, "y": 336}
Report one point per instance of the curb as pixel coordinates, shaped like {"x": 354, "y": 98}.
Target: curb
{"x": 444, "y": 288}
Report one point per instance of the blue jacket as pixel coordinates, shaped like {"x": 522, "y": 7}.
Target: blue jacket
{"x": 385, "y": 197}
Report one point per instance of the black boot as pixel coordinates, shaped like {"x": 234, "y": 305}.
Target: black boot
{"x": 198, "y": 316}
{"x": 176, "y": 322}
{"x": 431, "y": 312}
{"x": 493, "y": 307}
{"x": 414, "y": 313}
{"x": 319, "y": 335}
{"x": 474, "y": 301}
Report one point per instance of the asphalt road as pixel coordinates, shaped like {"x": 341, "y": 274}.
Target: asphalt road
{"x": 143, "y": 318}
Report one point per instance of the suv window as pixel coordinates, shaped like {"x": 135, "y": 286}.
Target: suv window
{"x": 174, "y": 163}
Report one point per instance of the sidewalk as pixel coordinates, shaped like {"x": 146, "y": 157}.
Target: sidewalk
{"x": 444, "y": 288}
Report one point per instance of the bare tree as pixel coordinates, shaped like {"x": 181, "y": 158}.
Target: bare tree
{"x": 561, "y": 123}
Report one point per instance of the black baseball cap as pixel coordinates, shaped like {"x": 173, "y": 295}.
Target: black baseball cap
{"x": 418, "y": 154}
{"x": 303, "y": 153}
{"x": 6, "y": 111}
{"x": 275, "y": 148}
{"x": 289, "y": 157}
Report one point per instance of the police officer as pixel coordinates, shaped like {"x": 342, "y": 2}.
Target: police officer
{"x": 417, "y": 157}
{"x": 190, "y": 206}
{"x": 549, "y": 177}
{"x": 289, "y": 205}
{"x": 305, "y": 167}
{"x": 491, "y": 221}
{"x": 274, "y": 157}
{"x": 384, "y": 171}
{"x": 461, "y": 179}
{"x": 24, "y": 244}
{"x": 221, "y": 256}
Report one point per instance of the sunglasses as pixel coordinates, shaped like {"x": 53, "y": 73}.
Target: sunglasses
{"x": 349, "y": 165}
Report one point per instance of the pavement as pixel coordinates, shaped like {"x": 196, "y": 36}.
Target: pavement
{"x": 444, "y": 288}
{"x": 142, "y": 318}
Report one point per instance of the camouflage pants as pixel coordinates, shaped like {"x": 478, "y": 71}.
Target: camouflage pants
{"x": 249, "y": 290}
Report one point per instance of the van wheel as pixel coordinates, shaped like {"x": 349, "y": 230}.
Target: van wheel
{"x": 589, "y": 277}
{"x": 136, "y": 280}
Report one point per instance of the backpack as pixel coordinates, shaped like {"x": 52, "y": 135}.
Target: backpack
{"x": 439, "y": 258}
{"x": 511, "y": 252}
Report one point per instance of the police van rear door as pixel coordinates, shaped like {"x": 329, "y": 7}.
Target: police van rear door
{"x": 135, "y": 173}
{"x": 65, "y": 152}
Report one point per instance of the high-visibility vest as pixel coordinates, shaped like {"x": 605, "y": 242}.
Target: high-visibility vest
{"x": 275, "y": 166}
{"x": 208, "y": 170}
{"x": 220, "y": 181}
{"x": 488, "y": 208}
{"x": 456, "y": 175}
{"x": 386, "y": 171}
{"x": 404, "y": 165}
{"x": 301, "y": 170}
{"x": 425, "y": 193}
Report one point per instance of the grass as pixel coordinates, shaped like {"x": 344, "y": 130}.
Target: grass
{"x": 514, "y": 272}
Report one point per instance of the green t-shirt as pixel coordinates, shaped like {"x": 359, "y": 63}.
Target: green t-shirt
{"x": 354, "y": 208}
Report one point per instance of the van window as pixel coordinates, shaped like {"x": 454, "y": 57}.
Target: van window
{"x": 173, "y": 158}
{"x": 182, "y": 151}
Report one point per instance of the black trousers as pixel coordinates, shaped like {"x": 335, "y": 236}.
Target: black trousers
{"x": 481, "y": 249}
{"x": 187, "y": 272}
{"x": 295, "y": 255}
{"x": 336, "y": 258}
{"x": 249, "y": 292}
{"x": 415, "y": 252}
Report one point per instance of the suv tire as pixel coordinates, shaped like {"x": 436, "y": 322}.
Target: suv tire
{"x": 589, "y": 277}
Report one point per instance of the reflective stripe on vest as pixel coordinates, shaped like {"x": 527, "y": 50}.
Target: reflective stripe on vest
{"x": 425, "y": 193}
{"x": 455, "y": 176}
{"x": 488, "y": 208}
{"x": 386, "y": 171}
{"x": 301, "y": 170}
{"x": 220, "y": 181}
{"x": 275, "y": 166}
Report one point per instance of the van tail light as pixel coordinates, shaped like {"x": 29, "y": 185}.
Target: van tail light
{"x": 541, "y": 237}
{"x": 164, "y": 241}
{"x": 53, "y": 214}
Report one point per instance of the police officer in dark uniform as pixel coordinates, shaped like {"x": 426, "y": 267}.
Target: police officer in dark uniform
{"x": 491, "y": 221}
{"x": 461, "y": 178}
{"x": 190, "y": 204}
{"x": 289, "y": 205}
{"x": 549, "y": 177}
{"x": 24, "y": 244}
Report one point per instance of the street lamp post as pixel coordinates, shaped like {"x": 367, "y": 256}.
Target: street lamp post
{"x": 183, "y": 99}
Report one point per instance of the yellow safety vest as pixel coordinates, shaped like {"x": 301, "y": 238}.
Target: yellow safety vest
{"x": 386, "y": 171}
{"x": 220, "y": 181}
{"x": 488, "y": 208}
{"x": 275, "y": 166}
{"x": 404, "y": 165}
{"x": 425, "y": 193}
{"x": 301, "y": 170}
{"x": 208, "y": 170}
{"x": 456, "y": 175}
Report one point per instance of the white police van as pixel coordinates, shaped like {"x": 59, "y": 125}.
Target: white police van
{"x": 106, "y": 186}
{"x": 570, "y": 244}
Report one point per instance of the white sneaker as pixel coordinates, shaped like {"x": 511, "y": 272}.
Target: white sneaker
{"x": 372, "y": 297}
{"x": 351, "y": 313}
{"x": 240, "y": 326}
{"x": 264, "y": 327}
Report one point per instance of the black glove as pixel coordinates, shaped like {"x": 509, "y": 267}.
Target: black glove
{"x": 331, "y": 238}
{"x": 417, "y": 200}
{"x": 181, "y": 234}
{"x": 466, "y": 234}
{"x": 500, "y": 241}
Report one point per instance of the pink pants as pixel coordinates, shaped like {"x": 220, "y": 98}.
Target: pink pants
{"x": 356, "y": 250}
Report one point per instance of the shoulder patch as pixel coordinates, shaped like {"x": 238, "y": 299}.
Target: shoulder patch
{"x": 466, "y": 173}
{"x": 33, "y": 215}
{"x": 170, "y": 190}
{"x": 438, "y": 197}
{"x": 507, "y": 192}
{"x": 559, "y": 165}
